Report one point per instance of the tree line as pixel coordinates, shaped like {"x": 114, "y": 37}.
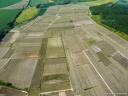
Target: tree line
{"x": 112, "y": 15}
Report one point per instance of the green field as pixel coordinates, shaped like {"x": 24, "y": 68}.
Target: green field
{"x": 27, "y": 14}
{"x": 44, "y": 7}
{"x": 7, "y": 16}
{"x": 5, "y": 3}
{"x": 36, "y": 2}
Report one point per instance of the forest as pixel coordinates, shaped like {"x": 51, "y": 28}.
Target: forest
{"x": 112, "y": 15}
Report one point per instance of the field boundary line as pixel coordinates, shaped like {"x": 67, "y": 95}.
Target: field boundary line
{"x": 53, "y": 20}
{"x": 6, "y": 63}
{"x": 98, "y": 73}
{"x": 112, "y": 40}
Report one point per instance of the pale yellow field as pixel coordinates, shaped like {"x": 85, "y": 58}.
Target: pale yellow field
{"x": 50, "y": 1}
{"x": 27, "y": 14}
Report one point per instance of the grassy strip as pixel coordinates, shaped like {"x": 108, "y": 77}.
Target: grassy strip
{"x": 27, "y": 14}
{"x": 96, "y": 18}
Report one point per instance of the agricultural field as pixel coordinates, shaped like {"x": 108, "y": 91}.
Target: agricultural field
{"x": 59, "y": 1}
{"x": 19, "y": 77}
{"x": 50, "y": 1}
{"x": 5, "y": 3}
{"x": 36, "y": 2}
{"x": 7, "y": 16}
{"x": 44, "y": 7}
{"x": 99, "y": 2}
{"x": 54, "y": 48}
{"x": 27, "y": 14}
{"x": 64, "y": 53}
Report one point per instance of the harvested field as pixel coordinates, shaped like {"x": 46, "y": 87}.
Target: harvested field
{"x": 74, "y": 43}
{"x": 106, "y": 48}
{"x": 11, "y": 92}
{"x": 31, "y": 40}
{"x": 54, "y": 48}
{"x": 48, "y": 34}
{"x": 63, "y": 20}
{"x": 9, "y": 53}
{"x": 55, "y": 82}
{"x": 62, "y": 26}
{"x": 29, "y": 44}
{"x": 80, "y": 18}
{"x": 37, "y": 28}
{"x": 56, "y": 33}
{"x": 119, "y": 40}
{"x": 21, "y": 37}
{"x": 55, "y": 66}
{"x": 3, "y": 51}
{"x": 60, "y": 93}
{"x": 8, "y": 37}
{"x": 33, "y": 34}
{"x": 79, "y": 30}
{"x": 83, "y": 22}
{"x": 2, "y": 62}
{"x": 69, "y": 32}
{"x": 27, "y": 49}
{"x": 47, "y": 18}
{"x": 79, "y": 59}
{"x": 52, "y": 11}
{"x": 25, "y": 55}
{"x": 22, "y": 75}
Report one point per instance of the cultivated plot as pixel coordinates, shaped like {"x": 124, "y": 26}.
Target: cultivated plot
{"x": 62, "y": 26}
{"x": 55, "y": 48}
{"x": 55, "y": 82}
{"x": 74, "y": 43}
{"x": 19, "y": 72}
{"x": 3, "y": 51}
{"x": 55, "y": 66}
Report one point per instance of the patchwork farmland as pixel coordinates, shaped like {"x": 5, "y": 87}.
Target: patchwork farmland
{"x": 64, "y": 53}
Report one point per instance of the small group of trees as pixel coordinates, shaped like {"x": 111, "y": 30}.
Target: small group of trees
{"x": 113, "y": 15}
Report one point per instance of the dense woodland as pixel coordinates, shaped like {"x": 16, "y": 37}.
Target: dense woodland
{"x": 112, "y": 15}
